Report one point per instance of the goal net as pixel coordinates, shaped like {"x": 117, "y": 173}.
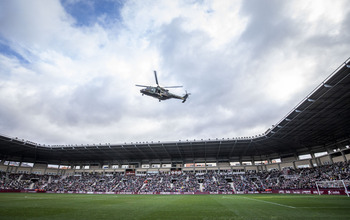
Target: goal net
{"x": 334, "y": 184}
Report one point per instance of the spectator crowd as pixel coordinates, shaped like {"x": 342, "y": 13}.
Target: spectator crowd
{"x": 211, "y": 181}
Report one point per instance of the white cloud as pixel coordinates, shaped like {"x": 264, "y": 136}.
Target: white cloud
{"x": 245, "y": 63}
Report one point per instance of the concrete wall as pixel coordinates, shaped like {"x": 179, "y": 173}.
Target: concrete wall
{"x": 325, "y": 160}
{"x": 3, "y": 168}
{"x": 272, "y": 166}
{"x": 284, "y": 165}
{"x": 347, "y": 156}
{"x": 286, "y": 162}
{"x": 24, "y": 170}
{"x": 338, "y": 159}
{"x": 302, "y": 163}
{"x": 252, "y": 167}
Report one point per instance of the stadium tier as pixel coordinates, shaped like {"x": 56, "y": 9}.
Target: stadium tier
{"x": 315, "y": 133}
{"x": 224, "y": 182}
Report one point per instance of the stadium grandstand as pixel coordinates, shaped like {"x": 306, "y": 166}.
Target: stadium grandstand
{"x": 309, "y": 145}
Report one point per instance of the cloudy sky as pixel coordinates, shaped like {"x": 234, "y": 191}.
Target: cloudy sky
{"x": 68, "y": 68}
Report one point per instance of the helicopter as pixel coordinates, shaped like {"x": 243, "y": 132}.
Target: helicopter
{"x": 161, "y": 93}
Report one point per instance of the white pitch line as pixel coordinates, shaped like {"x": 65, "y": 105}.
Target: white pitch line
{"x": 273, "y": 203}
{"x": 316, "y": 207}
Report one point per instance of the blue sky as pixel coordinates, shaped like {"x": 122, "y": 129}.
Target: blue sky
{"x": 68, "y": 68}
{"x": 88, "y": 13}
{"x": 9, "y": 52}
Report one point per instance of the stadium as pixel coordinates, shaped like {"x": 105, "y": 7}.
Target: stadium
{"x": 88, "y": 132}
{"x": 306, "y": 152}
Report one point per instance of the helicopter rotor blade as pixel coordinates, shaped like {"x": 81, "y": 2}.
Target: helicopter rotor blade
{"x": 172, "y": 87}
{"x": 155, "y": 75}
{"x": 141, "y": 86}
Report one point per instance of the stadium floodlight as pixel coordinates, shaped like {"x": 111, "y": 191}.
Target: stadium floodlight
{"x": 348, "y": 66}
{"x": 327, "y": 85}
{"x": 311, "y": 100}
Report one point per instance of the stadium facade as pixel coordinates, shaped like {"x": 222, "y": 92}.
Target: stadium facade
{"x": 314, "y": 133}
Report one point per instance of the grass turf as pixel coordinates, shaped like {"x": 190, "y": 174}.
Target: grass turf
{"x": 81, "y": 206}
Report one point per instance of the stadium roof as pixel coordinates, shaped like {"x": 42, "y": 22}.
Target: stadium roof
{"x": 320, "y": 122}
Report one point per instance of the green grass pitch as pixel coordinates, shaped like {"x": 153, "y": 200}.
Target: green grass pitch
{"x": 81, "y": 206}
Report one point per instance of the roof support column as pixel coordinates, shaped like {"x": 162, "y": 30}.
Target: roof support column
{"x": 45, "y": 168}
{"x": 317, "y": 160}
{"x": 311, "y": 163}
{"x": 16, "y": 168}
{"x": 260, "y": 167}
{"x": 331, "y": 159}
{"x": 265, "y": 167}
{"x": 58, "y": 168}
{"x": 31, "y": 169}
{"x": 7, "y": 168}
{"x": 344, "y": 157}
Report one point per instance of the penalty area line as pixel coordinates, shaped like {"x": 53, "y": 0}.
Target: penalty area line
{"x": 273, "y": 203}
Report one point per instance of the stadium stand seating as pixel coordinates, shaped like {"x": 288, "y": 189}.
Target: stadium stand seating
{"x": 211, "y": 181}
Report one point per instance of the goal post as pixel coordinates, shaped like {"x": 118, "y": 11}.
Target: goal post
{"x": 333, "y": 184}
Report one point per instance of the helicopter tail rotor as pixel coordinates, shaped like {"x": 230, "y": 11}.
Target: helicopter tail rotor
{"x": 185, "y": 97}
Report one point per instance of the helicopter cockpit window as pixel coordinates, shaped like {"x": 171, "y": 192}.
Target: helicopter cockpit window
{"x": 153, "y": 90}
